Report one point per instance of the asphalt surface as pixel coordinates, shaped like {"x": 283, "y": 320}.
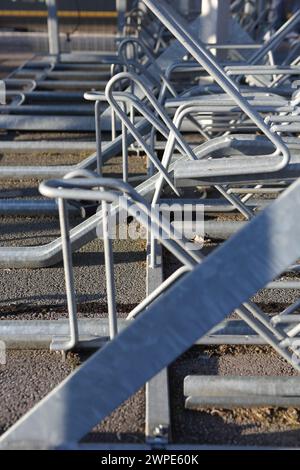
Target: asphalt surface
{"x": 28, "y": 376}
{"x": 45, "y": 287}
{"x": 40, "y": 294}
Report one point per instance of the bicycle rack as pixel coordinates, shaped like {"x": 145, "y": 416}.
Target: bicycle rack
{"x": 249, "y": 261}
{"x": 244, "y": 164}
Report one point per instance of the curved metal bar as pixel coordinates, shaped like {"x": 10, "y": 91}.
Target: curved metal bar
{"x": 112, "y": 99}
{"x": 178, "y": 119}
{"x": 169, "y": 18}
{"x": 135, "y": 65}
{"x": 87, "y": 185}
{"x": 117, "y": 191}
{"x": 21, "y": 95}
{"x": 159, "y": 109}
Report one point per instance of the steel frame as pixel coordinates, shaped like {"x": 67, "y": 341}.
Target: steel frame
{"x": 258, "y": 253}
{"x": 124, "y": 365}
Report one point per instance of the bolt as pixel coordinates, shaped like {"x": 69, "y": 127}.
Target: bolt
{"x": 160, "y": 431}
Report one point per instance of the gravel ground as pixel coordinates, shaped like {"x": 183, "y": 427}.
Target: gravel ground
{"x": 240, "y": 426}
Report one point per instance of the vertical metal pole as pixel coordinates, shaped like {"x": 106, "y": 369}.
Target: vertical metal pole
{"x": 53, "y": 33}
{"x": 124, "y": 149}
{"x": 69, "y": 275}
{"x": 121, "y": 6}
{"x": 215, "y": 28}
{"x": 107, "y": 242}
{"x": 98, "y": 137}
{"x": 109, "y": 271}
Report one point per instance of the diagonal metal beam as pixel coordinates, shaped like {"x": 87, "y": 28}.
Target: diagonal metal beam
{"x": 195, "y": 47}
{"x": 221, "y": 283}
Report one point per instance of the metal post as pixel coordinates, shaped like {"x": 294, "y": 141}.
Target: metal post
{"x": 121, "y": 6}
{"x": 215, "y": 27}
{"x": 107, "y": 242}
{"x": 53, "y": 33}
